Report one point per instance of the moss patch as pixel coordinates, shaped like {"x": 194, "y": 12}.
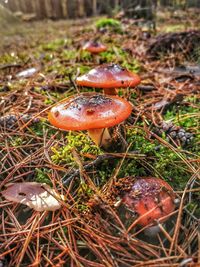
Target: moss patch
{"x": 74, "y": 140}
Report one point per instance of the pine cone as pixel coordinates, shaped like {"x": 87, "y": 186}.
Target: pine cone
{"x": 178, "y": 134}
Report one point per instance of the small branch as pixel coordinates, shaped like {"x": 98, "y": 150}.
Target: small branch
{"x": 7, "y": 66}
{"x": 73, "y": 83}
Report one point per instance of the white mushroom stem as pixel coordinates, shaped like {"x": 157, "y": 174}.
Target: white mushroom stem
{"x": 96, "y": 58}
{"x": 101, "y": 137}
{"x": 152, "y": 231}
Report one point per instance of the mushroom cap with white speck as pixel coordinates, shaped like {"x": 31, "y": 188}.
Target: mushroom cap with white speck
{"x": 109, "y": 76}
{"x": 89, "y": 111}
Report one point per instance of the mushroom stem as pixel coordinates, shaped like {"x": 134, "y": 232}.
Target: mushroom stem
{"x": 96, "y": 58}
{"x": 152, "y": 231}
{"x": 110, "y": 91}
{"x": 101, "y": 137}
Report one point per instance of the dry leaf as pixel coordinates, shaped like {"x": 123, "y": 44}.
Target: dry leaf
{"x": 38, "y": 196}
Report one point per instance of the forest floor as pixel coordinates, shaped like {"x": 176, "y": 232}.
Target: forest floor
{"x": 161, "y": 139}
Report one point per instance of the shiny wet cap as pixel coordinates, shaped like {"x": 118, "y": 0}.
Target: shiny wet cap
{"x": 94, "y": 47}
{"x": 109, "y": 76}
{"x": 89, "y": 111}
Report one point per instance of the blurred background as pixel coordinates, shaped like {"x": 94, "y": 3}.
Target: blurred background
{"x": 60, "y": 9}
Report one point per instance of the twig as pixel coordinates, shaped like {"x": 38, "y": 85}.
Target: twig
{"x": 7, "y": 66}
{"x": 73, "y": 83}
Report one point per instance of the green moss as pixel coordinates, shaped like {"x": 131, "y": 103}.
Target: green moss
{"x": 132, "y": 65}
{"x": 121, "y": 57}
{"x": 86, "y": 56}
{"x": 48, "y": 101}
{"x": 9, "y": 58}
{"x": 131, "y": 168}
{"x": 52, "y": 96}
{"x": 41, "y": 176}
{"x": 187, "y": 117}
{"x": 42, "y": 128}
{"x": 69, "y": 54}
{"x": 75, "y": 140}
{"x": 17, "y": 141}
{"x": 82, "y": 207}
{"x": 83, "y": 69}
{"x": 160, "y": 161}
{"x": 85, "y": 190}
{"x": 48, "y": 57}
{"x": 14, "y": 58}
{"x": 58, "y": 68}
{"x": 110, "y": 23}
{"x": 108, "y": 56}
{"x": 105, "y": 171}
{"x": 55, "y": 44}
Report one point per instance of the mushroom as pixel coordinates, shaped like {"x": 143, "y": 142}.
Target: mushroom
{"x": 109, "y": 77}
{"x": 150, "y": 198}
{"x": 94, "y": 47}
{"x": 92, "y": 112}
{"x": 38, "y": 196}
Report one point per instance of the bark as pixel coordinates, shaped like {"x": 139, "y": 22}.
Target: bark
{"x": 94, "y": 7}
{"x": 139, "y": 8}
{"x": 80, "y": 8}
{"x": 64, "y": 8}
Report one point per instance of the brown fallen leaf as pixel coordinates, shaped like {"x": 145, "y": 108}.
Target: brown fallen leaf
{"x": 38, "y": 196}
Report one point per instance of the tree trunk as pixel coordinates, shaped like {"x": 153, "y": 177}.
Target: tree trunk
{"x": 94, "y": 7}
{"x": 139, "y": 8}
{"x": 64, "y": 8}
{"x": 80, "y": 8}
{"x": 116, "y": 3}
{"x": 165, "y": 2}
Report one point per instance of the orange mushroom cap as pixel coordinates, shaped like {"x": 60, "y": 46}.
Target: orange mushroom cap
{"x": 151, "y": 198}
{"x": 89, "y": 111}
{"x": 94, "y": 47}
{"x": 109, "y": 76}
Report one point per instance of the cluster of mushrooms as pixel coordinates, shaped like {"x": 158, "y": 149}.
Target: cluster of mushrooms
{"x": 150, "y": 198}
{"x": 96, "y": 112}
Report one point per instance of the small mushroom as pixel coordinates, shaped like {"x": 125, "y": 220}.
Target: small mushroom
{"x": 150, "y": 198}
{"x": 94, "y": 47}
{"x": 37, "y": 196}
{"x": 92, "y": 112}
{"x": 109, "y": 77}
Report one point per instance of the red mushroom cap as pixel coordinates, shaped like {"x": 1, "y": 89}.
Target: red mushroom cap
{"x": 89, "y": 111}
{"x": 94, "y": 47}
{"x": 151, "y": 196}
{"x": 108, "y": 76}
